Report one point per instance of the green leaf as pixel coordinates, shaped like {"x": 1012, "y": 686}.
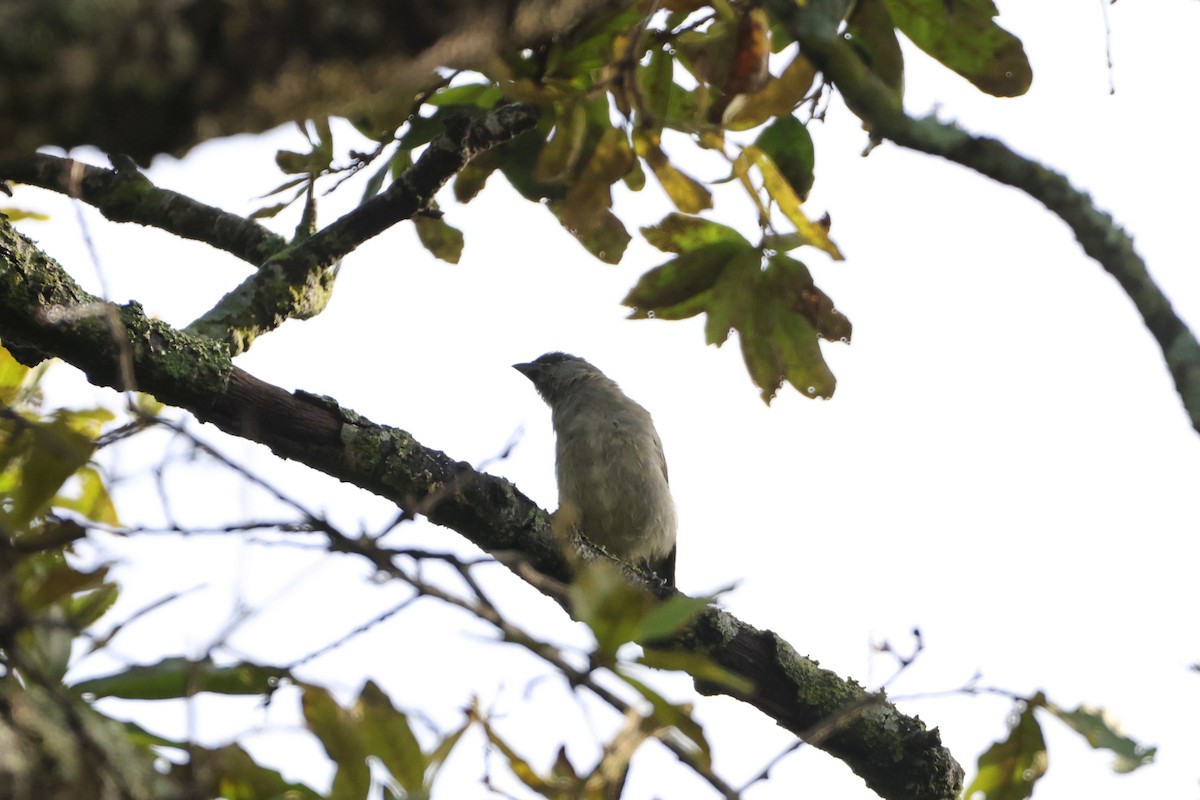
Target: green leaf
{"x": 181, "y": 677}
{"x": 559, "y": 159}
{"x": 699, "y": 666}
{"x": 52, "y": 580}
{"x": 389, "y": 737}
{"x": 788, "y": 143}
{"x": 610, "y": 605}
{"x": 1104, "y": 732}
{"x": 229, "y": 772}
{"x": 873, "y": 34}
{"x": 481, "y": 95}
{"x": 778, "y": 312}
{"x": 49, "y": 453}
{"x": 792, "y": 281}
{"x": 84, "y": 609}
{"x": 1009, "y": 769}
{"x": 682, "y": 278}
{"x": 445, "y": 746}
{"x": 293, "y": 163}
{"x": 341, "y": 736}
{"x": 601, "y": 233}
{"x": 439, "y": 237}
{"x": 679, "y": 233}
{"x": 670, "y": 616}
{"x": 661, "y": 96}
{"x": 962, "y": 36}
{"x": 266, "y": 212}
{"x": 375, "y": 182}
{"x": 517, "y": 159}
{"x": 46, "y": 648}
{"x": 323, "y": 152}
{"x": 676, "y": 716}
{"x": 733, "y": 296}
{"x": 579, "y": 55}
{"x": 470, "y": 180}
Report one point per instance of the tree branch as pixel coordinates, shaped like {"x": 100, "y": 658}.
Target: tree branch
{"x": 1101, "y": 238}
{"x": 144, "y": 77}
{"x": 298, "y": 280}
{"x": 126, "y": 195}
{"x": 43, "y": 313}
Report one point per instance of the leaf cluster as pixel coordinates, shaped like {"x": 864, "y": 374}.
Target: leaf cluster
{"x": 620, "y": 91}
{"x": 1009, "y": 769}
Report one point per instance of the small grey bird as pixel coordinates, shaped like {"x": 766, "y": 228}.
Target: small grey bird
{"x": 612, "y": 475}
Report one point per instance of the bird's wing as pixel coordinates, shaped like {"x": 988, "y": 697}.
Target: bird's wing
{"x": 662, "y": 458}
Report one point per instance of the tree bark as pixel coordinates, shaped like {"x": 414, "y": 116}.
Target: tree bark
{"x": 159, "y": 76}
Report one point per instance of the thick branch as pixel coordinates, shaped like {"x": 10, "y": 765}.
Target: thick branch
{"x": 43, "y": 313}
{"x": 298, "y": 280}
{"x": 125, "y": 195}
{"x": 1100, "y": 237}
{"x": 143, "y": 77}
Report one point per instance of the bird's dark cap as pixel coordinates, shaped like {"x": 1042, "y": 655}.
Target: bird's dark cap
{"x": 530, "y": 368}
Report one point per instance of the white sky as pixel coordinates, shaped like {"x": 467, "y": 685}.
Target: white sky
{"x": 1005, "y": 463}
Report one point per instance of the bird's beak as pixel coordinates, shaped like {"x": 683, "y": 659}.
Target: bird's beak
{"x": 526, "y": 369}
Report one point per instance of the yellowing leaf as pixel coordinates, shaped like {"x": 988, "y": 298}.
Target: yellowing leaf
{"x": 520, "y": 766}
{"x": 18, "y": 214}
{"x": 93, "y": 500}
{"x": 789, "y": 203}
{"x": 790, "y": 147}
{"x": 747, "y": 72}
{"x": 679, "y": 233}
{"x": 778, "y": 98}
{"x": 12, "y": 378}
{"x": 601, "y": 233}
{"x": 584, "y": 211}
{"x": 688, "y": 195}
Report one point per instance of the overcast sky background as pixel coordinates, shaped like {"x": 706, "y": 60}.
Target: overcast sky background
{"x": 1005, "y": 463}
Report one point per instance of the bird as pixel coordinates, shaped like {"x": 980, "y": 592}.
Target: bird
{"x": 609, "y": 462}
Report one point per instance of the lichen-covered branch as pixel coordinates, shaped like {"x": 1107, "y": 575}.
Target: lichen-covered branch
{"x": 126, "y": 195}
{"x": 1101, "y": 238}
{"x": 298, "y": 280}
{"x": 43, "y": 313}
